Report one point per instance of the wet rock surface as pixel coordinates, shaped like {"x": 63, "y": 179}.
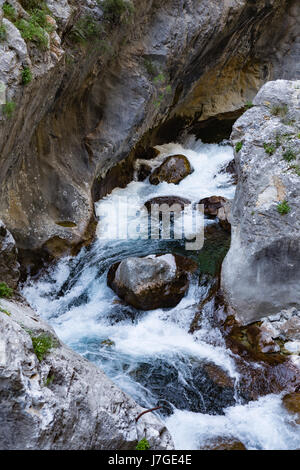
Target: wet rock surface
{"x": 220, "y": 207}
{"x": 173, "y": 170}
{"x": 223, "y": 443}
{"x": 193, "y": 388}
{"x": 155, "y": 281}
{"x": 292, "y": 403}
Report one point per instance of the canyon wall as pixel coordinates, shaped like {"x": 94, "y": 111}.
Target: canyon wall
{"x": 91, "y": 102}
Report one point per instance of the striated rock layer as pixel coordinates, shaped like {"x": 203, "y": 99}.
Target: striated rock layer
{"x": 261, "y": 272}
{"x": 89, "y": 103}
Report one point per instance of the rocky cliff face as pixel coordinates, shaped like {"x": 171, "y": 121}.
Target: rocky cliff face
{"x": 99, "y": 86}
{"x": 262, "y": 269}
{"x": 52, "y": 398}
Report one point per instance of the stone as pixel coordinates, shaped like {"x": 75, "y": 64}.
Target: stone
{"x": 169, "y": 200}
{"x": 261, "y": 272}
{"x": 62, "y": 402}
{"x": 173, "y": 170}
{"x": 154, "y": 281}
{"x": 9, "y": 265}
{"x": 218, "y": 206}
{"x": 223, "y": 443}
{"x": 291, "y": 402}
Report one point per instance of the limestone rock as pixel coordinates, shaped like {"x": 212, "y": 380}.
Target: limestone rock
{"x": 150, "y": 282}
{"x": 223, "y": 443}
{"x": 62, "y": 401}
{"x": 218, "y": 206}
{"x": 261, "y": 271}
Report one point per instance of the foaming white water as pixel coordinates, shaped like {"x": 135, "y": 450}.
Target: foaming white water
{"x": 87, "y": 315}
{"x": 260, "y": 425}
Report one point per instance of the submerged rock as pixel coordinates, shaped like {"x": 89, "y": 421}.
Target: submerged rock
{"x": 59, "y": 400}
{"x": 173, "y": 170}
{"x": 155, "y": 281}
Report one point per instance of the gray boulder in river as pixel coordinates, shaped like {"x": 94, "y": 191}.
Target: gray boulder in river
{"x": 152, "y": 281}
{"x": 261, "y": 272}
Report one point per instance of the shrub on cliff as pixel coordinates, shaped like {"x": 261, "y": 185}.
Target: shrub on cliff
{"x": 116, "y": 11}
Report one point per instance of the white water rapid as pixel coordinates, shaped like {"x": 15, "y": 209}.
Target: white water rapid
{"x": 151, "y": 355}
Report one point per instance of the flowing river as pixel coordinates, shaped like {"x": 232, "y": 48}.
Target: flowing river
{"x": 151, "y": 355}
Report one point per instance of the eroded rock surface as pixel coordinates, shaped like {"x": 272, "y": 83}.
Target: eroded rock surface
{"x": 261, "y": 272}
{"x": 62, "y": 401}
{"x": 173, "y": 170}
{"x": 85, "y": 110}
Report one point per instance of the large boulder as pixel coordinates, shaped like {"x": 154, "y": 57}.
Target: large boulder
{"x": 173, "y": 170}
{"x": 54, "y": 399}
{"x": 9, "y": 266}
{"x": 155, "y": 281}
{"x": 261, "y": 271}
{"x": 291, "y": 402}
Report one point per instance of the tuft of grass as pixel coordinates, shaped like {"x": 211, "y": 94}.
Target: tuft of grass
{"x": 151, "y": 68}
{"x": 249, "y": 105}
{"x": 86, "y": 29}
{"x": 2, "y": 32}
{"x": 238, "y": 146}
{"x": 49, "y": 380}
{"x": 26, "y": 75}
{"x": 5, "y": 311}
{"x": 117, "y": 11}
{"x": 283, "y": 208}
{"x": 42, "y": 344}
{"x": 279, "y": 111}
{"x": 5, "y": 291}
{"x": 269, "y": 148}
{"x": 296, "y": 169}
{"x": 143, "y": 444}
{"x": 33, "y": 32}
{"x": 9, "y": 12}
{"x": 289, "y": 155}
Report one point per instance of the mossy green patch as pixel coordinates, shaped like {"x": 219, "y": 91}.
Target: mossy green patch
{"x": 5, "y": 291}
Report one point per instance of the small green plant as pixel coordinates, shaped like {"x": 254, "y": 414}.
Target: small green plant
{"x": 143, "y": 444}
{"x": 269, "y": 149}
{"x": 9, "y": 12}
{"x": 42, "y": 344}
{"x": 26, "y": 75}
{"x": 49, "y": 380}
{"x": 151, "y": 68}
{"x": 30, "y": 5}
{"x": 2, "y": 32}
{"x": 298, "y": 136}
{"x": 249, "y": 105}
{"x": 9, "y": 108}
{"x": 296, "y": 169}
{"x": 279, "y": 111}
{"x": 86, "y": 29}
{"x": 117, "y": 11}
{"x": 5, "y": 311}
{"x": 283, "y": 208}
{"x": 289, "y": 155}
{"x": 238, "y": 146}
{"x": 5, "y": 291}
{"x": 31, "y": 31}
